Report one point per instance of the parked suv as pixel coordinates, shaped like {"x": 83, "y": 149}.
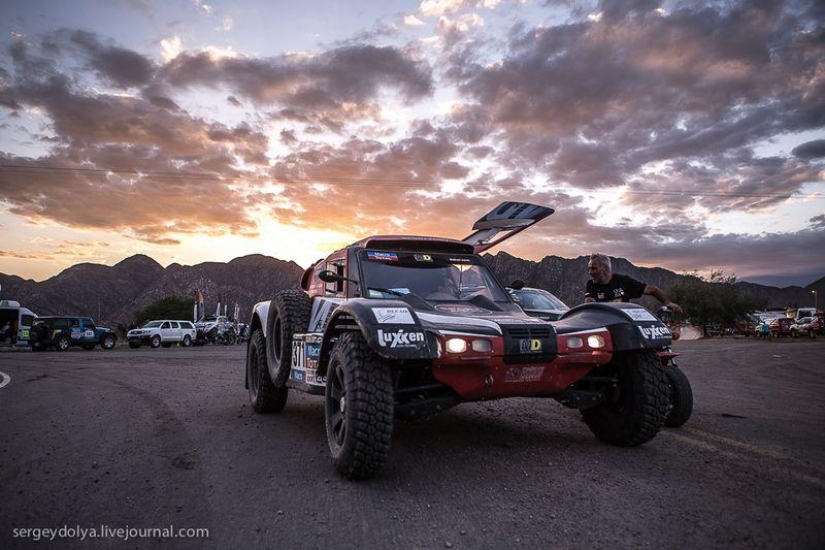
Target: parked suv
{"x": 64, "y": 332}
{"x": 162, "y": 333}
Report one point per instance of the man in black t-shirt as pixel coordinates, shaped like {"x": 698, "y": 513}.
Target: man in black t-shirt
{"x": 605, "y": 286}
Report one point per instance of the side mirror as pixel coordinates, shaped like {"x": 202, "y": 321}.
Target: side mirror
{"x": 518, "y": 284}
{"x": 330, "y": 277}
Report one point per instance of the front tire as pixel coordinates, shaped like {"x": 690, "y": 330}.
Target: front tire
{"x": 358, "y": 408}
{"x": 155, "y": 342}
{"x": 635, "y": 412}
{"x": 289, "y": 313}
{"x": 62, "y": 344}
{"x": 680, "y": 395}
{"x": 108, "y": 342}
{"x": 263, "y": 395}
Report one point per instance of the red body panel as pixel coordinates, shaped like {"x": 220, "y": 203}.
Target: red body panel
{"x": 480, "y": 377}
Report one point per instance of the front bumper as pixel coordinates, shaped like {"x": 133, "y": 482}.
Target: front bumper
{"x": 494, "y": 375}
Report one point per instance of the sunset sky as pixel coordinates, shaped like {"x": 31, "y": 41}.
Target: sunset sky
{"x": 687, "y": 135}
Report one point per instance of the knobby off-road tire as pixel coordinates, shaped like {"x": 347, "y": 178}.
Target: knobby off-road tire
{"x": 263, "y": 395}
{"x": 680, "y": 395}
{"x": 635, "y": 413}
{"x": 358, "y": 408}
{"x": 289, "y": 313}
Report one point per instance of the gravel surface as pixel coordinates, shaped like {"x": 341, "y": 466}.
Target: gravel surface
{"x": 165, "y": 438}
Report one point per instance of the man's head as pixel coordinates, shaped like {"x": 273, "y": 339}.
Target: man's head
{"x": 599, "y": 268}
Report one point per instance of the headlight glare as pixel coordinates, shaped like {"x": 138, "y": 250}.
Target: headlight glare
{"x": 456, "y": 345}
{"x": 595, "y": 341}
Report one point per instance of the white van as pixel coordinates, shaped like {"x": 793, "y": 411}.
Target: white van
{"x": 15, "y": 324}
{"x": 805, "y": 312}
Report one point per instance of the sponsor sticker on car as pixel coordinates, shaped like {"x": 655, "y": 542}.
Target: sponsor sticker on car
{"x": 382, "y": 256}
{"x": 400, "y": 339}
{"x": 393, "y": 315}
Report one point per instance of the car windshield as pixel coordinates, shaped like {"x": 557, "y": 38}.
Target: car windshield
{"x": 434, "y": 277}
{"x": 152, "y": 324}
{"x": 532, "y": 299}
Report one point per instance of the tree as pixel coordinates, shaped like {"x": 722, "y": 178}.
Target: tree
{"x": 171, "y": 307}
{"x": 712, "y": 302}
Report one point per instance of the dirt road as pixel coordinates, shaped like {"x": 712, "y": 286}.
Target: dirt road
{"x": 140, "y": 439}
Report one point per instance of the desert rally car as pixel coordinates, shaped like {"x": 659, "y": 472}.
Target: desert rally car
{"x": 405, "y": 327}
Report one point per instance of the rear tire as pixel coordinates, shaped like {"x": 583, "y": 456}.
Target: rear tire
{"x": 187, "y": 341}
{"x": 289, "y": 313}
{"x": 358, "y": 408}
{"x": 680, "y": 395}
{"x": 263, "y": 395}
{"x": 635, "y": 412}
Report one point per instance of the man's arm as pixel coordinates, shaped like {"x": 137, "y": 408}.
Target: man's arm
{"x": 660, "y": 295}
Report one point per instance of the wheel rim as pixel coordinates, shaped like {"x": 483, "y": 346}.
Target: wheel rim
{"x": 63, "y": 344}
{"x": 337, "y": 406}
{"x": 108, "y": 342}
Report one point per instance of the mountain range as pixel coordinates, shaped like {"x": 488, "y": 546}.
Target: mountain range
{"x": 111, "y": 294}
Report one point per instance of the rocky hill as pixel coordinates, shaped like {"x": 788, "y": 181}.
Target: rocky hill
{"x": 566, "y": 278}
{"x": 112, "y": 294}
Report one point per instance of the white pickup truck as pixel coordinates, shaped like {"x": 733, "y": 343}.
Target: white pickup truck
{"x": 162, "y": 333}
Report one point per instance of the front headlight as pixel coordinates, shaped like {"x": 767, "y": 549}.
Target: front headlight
{"x": 596, "y": 341}
{"x": 456, "y": 345}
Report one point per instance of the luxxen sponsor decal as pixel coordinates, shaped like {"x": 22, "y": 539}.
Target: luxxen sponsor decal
{"x": 400, "y": 339}
{"x": 654, "y": 332}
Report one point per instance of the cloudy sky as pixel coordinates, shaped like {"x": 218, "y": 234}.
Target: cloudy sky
{"x": 687, "y": 135}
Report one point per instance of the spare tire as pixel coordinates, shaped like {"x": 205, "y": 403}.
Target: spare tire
{"x": 289, "y": 313}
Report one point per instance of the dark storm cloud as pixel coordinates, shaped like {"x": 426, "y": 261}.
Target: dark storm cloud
{"x": 346, "y": 74}
{"x": 118, "y": 66}
{"x": 810, "y": 150}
